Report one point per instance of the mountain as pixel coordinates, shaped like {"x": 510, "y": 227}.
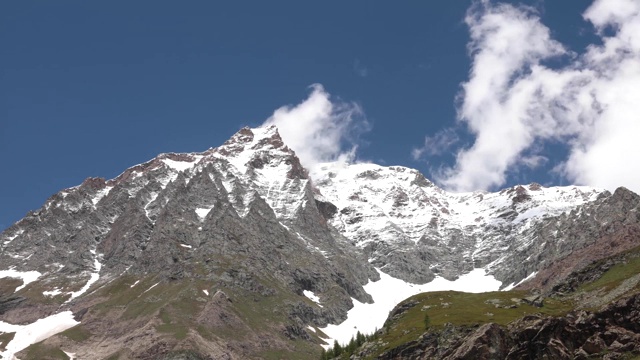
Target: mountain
{"x": 415, "y": 231}
{"x": 239, "y": 252}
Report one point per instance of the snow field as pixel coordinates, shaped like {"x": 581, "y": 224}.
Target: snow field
{"x": 35, "y": 332}
{"x": 389, "y": 291}
{"x": 26, "y": 276}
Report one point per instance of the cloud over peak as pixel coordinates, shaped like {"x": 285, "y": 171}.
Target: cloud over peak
{"x": 320, "y": 128}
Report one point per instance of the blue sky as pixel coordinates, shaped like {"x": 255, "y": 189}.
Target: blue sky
{"x": 91, "y": 88}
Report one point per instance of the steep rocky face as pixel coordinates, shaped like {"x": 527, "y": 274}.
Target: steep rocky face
{"x": 604, "y": 228}
{"x": 250, "y": 198}
{"x": 242, "y": 216}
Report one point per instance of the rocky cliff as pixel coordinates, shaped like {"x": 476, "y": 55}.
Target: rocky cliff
{"x": 238, "y": 219}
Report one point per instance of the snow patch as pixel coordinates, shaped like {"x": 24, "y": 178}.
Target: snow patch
{"x": 94, "y": 277}
{"x": 35, "y": 332}
{"x": 15, "y": 235}
{"x": 26, "y": 276}
{"x": 311, "y": 328}
{"x": 312, "y": 297}
{"x": 179, "y": 165}
{"x": 52, "y": 293}
{"x": 206, "y": 292}
{"x": 512, "y": 285}
{"x": 100, "y": 194}
{"x": 135, "y": 283}
{"x": 186, "y": 246}
{"x": 152, "y": 286}
{"x": 389, "y": 291}
{"x": 152, "y": 198}
{"x": 202, "y": 212}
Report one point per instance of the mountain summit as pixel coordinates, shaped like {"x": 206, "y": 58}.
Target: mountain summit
{"x": 237, "y": 252}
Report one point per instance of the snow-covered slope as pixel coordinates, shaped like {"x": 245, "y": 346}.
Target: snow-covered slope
{"x": 388, "y": 292}
{"x": 412, "y": 229}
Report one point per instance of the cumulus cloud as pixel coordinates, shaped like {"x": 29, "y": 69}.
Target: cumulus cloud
{"x": 512, "y": 101}
{"x": 320, "y": 128}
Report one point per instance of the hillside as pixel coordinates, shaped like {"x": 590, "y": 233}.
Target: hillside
{"x": 593, "y": 314}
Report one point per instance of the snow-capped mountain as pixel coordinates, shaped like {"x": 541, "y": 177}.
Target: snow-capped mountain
{"x": 414, "y": 230}
{"x": 187, "y": 251}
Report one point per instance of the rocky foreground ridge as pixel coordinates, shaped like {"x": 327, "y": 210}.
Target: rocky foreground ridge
{"x": 593, "y": 314}
{"x": 612, "y": 333}
{"x": 238, "y": 252}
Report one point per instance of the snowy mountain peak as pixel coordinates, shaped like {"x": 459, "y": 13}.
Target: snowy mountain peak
{"x": 401, "y": 219}
{"x": 261, "y": 150}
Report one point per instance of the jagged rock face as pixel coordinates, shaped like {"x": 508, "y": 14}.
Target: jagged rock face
{"x": 600, "y": 229}
{"x": 241, "y": 216}
{"x": 413, "y": 230}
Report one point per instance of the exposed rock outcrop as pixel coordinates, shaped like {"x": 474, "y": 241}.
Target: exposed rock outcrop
{"x": 610, "y": 333}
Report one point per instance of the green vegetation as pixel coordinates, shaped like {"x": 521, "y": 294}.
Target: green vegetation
{"x": 617, "y": 274}
{"x": 459, "y": 308}
{"x": 180, "y": 308}
{"x": 115, "y": 356}
{"x": 432, "y": 310}
{"x": 5, "y": 338}
{"x": 77, "y": 333}
{"x": 179, "y": 331}
{"x": 9, "y": 285}
{"x": 299, "y": 349}
{"x": 40, "y": 351}
{"x": 183, "y": 355}
{"x": 33, "y": 291}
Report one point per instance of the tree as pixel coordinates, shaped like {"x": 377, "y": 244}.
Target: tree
{"x": 352, "y": 346}
{"x": 337, "y": 349}
{"x": 360, "y": 339}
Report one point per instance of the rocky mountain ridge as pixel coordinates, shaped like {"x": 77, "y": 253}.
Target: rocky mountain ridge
{"x": 414, "y": 230}
{"x": 247, "y": 222}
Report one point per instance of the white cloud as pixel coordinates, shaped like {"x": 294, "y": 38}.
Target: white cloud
{"x": 320, "y": 128}
{"x": 512, "y": 101}
{"x": 360, "y": 69}
{"x": 437, "y": 144}
{"x": 534, "y": 161}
